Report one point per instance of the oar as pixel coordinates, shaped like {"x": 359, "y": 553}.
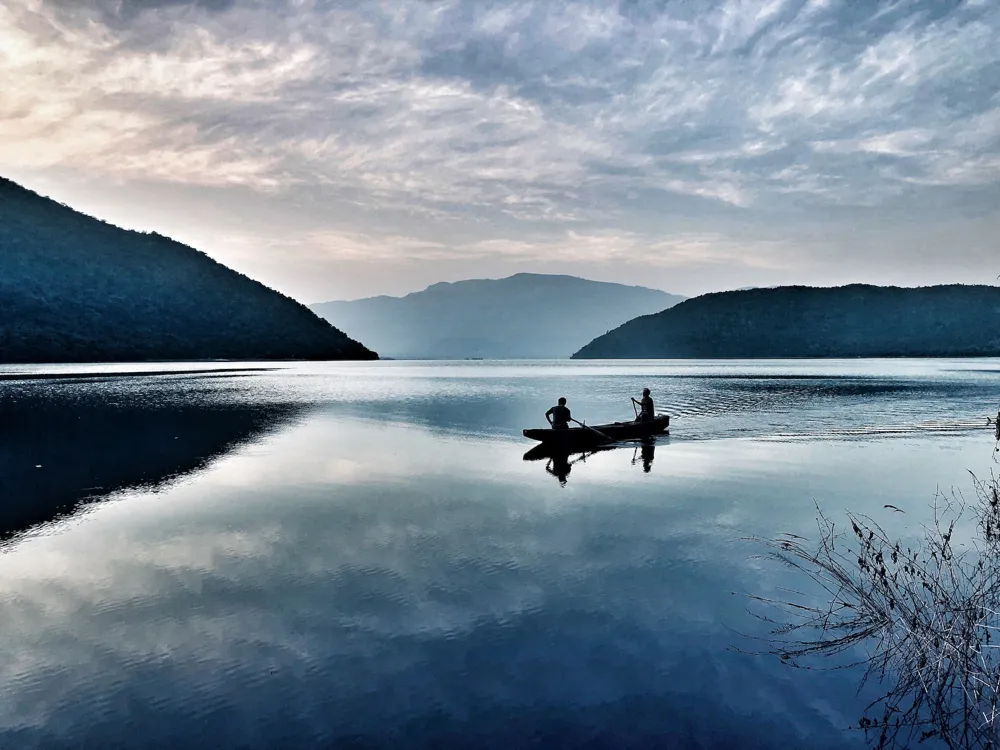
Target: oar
{"x": 591, "y": 429}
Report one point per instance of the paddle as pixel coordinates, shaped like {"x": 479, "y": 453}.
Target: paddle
{"x": 591, "y": 429}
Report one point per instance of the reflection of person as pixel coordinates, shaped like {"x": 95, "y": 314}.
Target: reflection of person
{"x": 647, "y": 453}
{"x": 645, "y": 406}
{"x": 559, "y": 467}
{"x": 559, "y": 415}
{"x": 647, "y": 457}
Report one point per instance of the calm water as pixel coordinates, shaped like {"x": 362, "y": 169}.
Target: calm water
{"x": 357, "y": 555}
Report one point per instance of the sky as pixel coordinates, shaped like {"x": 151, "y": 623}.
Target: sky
{"x": 336, "y": 149}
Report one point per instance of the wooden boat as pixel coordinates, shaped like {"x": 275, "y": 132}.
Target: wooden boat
{"x": 578, "y": 438}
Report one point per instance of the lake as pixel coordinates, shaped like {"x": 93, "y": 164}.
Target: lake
{"x": 358, "y": 555}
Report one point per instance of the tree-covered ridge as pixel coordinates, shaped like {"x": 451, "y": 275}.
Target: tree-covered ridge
{"x": 76, "y": 289}
{"x": 858, "y": 320}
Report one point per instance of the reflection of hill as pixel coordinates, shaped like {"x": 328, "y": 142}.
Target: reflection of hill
{"x": 57, "y": 452}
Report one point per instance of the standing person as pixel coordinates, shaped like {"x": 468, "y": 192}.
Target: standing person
{"x": 646, "y": 412}
{"x": 559, "y": 415}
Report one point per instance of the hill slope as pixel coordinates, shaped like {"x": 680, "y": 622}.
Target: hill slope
{"x": 75, "y": 289}
{"x": 850, "y": 321}
{"x": 522, "y": 316}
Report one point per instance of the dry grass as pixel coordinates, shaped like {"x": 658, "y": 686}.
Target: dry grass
{"x": 923, "y": 620}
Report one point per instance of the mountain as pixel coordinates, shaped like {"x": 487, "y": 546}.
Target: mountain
{"x": 796, "y": 321}
{"x": 531, "y": 316}
{"x": 75, "y": 289}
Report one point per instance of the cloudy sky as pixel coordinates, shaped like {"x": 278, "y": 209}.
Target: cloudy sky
{"x": 338, "y": 148}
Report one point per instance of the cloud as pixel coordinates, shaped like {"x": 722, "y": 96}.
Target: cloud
{"x": 124, "y": 11}
{"x": 682, "y": 250}
{"x": 589, "y": 249}
{"x": 520, "y": 119}
{"x": 332, "y": 246}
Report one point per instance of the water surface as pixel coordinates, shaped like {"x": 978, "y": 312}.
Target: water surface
{"x": 358, "y": 555}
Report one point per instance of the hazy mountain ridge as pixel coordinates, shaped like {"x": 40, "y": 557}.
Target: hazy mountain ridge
{"x": 74, "y": 289}
{"x": 858, "y": 320}
{"x": 530, "y": 316}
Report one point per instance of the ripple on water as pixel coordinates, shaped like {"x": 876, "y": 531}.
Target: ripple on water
{"x": 372, "y": 581}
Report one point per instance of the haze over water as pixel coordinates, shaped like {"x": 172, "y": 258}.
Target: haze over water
{"x": 358, "y": 555}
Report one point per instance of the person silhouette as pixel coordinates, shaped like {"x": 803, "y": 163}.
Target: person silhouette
{"x": 647, "y": 456}
{"x": 559, "y": 416}
{"x": 646, "y": 410}
{"x": 559, "y": 466}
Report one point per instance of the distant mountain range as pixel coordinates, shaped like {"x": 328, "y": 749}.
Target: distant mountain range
{"x": 796, "y": 321}
{"x": 529, "y": 316}
{"x": 75, "y": 289}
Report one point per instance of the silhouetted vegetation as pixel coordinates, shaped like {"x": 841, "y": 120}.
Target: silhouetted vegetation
{"x": 922, "y": 617}
{"x": 850, "y": 321}
{"x": 75, "y": 289}
{"x": 528, "y": 315}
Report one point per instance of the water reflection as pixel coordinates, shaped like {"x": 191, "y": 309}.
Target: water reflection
{"x": 908, "y": 615}
{"x": 405, "y": 579}
{"x": 60, "y": 449}
{"x": 645, "y": 453}
{"x": 848, "y": 400}
{"x": 559, "y": 463}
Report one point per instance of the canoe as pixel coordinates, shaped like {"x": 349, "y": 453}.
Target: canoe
{"x": 576, "y": 438}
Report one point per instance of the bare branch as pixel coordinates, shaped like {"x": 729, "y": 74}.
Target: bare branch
{"x": 928, "y": 616}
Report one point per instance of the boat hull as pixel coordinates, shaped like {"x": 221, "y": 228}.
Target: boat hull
{"x": 576, "y": 438}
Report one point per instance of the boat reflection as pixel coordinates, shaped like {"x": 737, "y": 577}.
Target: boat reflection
{"x": 560, "y": 463}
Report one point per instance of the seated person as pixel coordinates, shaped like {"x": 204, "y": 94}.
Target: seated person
{"x": 646, "y": 411}
{"x": 559, "y": 415}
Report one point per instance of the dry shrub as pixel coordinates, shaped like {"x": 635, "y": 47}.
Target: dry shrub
{"x": 924, "y": 618}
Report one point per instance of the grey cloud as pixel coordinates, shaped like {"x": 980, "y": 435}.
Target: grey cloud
{"x": 456, "y": 118}
{"x": 109, "y": 9}
{"x": 650, "y": 80}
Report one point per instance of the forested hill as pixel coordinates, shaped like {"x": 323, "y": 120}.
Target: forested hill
{"x": 75, "y": 289}
{"x": 528, "y": 315}
{"x": 796, "y": 321}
